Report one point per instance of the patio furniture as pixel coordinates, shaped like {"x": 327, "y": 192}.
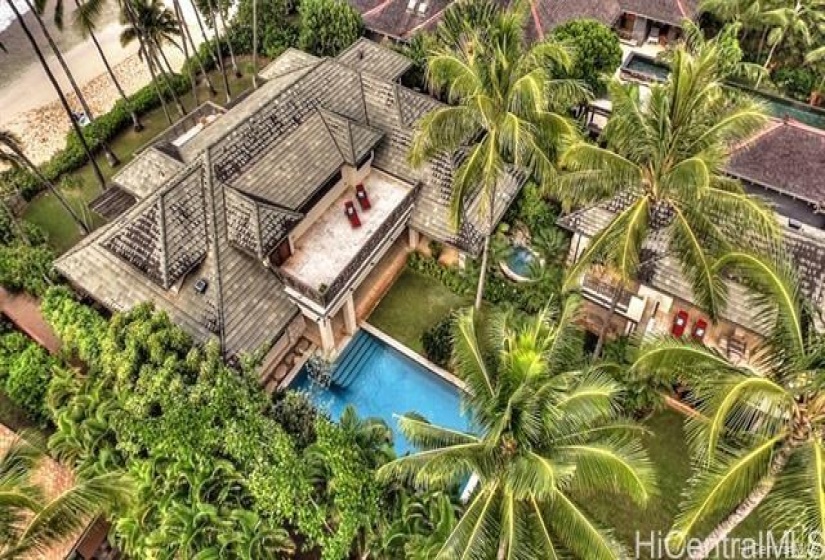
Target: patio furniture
{"x": 680, "y": 321}
{"x": 700, "y": 328}
{"x": 653, "y": 38}
{"x": 737, "y": 348}
{"x": 352, "y": 214}
{"x": 361, "y": 195}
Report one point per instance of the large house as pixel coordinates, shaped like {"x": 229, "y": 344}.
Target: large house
{"x": 785, "y": 164}
{"x": 635, "y": 20}
{"x": 233, "y": 221}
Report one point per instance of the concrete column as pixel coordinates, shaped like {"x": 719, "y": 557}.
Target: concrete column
{"x": 350, "y": 321}
{"x": 413, "y": 238}
{"x": 327, "y": 336}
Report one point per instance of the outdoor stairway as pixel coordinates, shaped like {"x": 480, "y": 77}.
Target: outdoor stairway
{"x": 358, "y": 352}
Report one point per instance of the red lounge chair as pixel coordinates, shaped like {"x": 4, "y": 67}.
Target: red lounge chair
{"x": 361, "y": 195}
{"x": 699, "y": 330}
{"x": 352, "y": 214}
{"x": 679, "y": 323}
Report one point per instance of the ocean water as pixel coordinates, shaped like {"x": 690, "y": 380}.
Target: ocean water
{"x": 7, "y": 16}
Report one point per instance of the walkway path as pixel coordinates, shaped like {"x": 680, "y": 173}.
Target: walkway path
{"x": 24, "y": 311}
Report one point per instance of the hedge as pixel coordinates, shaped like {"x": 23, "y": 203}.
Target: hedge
{"x": 104, "y": 128}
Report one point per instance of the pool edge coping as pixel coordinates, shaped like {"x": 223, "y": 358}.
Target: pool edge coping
{"x": 413, "y": 355}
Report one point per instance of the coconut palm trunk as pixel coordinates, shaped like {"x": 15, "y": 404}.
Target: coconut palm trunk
{"x": 185, "y": 48}
{"x": 145, "y": 54}
{"x": 107, "y": 151}
{"x": 746, "y": 508}
{"x": 218, "y": 42}
{"x": 187, "y": 37}
{"x": 255, "y": 44}
{"x": 167, "y": 72}
{"x": 228, "y": 44}
{"x": 218, "y": 60}
{"x": 63, "y": 101}
{"x": 21, "y": 158}
{"x": 136, "y": 125}
{"x": 614, "y": 302}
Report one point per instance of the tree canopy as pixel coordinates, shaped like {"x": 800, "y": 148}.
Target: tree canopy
{"x": 596, "y": 51}
{"x": 328, "y": 26}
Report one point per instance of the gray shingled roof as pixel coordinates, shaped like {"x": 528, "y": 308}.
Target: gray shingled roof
{"x": 786, "y": 157}
{"x": 146, "y": 173}
{"x": 244, "y": 305}
{"x": 548, "y": 14}
{"x": 248, "y": 173}
{"x": 395, "y": 18}
{"x": 664, "y": 11}
{"x": 366, "y": 56}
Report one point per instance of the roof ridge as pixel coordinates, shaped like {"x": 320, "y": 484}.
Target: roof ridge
{"x": 208, "y": 183}
{"x": 320, "y": 112}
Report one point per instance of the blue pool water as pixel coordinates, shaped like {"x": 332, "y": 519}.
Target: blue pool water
{"x": 382, "y": 382}
{"x": 519, "y": 260}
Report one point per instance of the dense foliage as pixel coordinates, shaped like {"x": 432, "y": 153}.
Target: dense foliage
{"x": 25, "y": 259}
{"x": 276, "y": 29}
{"x": 328, "y": 26}
{"x": 25, "y": 372}
{"x": 216, "y": 472}
{"x": 596, "y": 51}
{"x": 438, "y": 342}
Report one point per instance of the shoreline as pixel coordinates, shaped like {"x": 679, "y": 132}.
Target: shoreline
{"x": 30, "y": 108}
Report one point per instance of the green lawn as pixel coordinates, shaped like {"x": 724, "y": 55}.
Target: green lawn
{"x": 414, "y": 303}
{"x": 667, "y": 447}
{"x": 46, "y": 212}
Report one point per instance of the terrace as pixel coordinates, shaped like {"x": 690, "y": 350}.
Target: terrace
{"x": 330, "y": 253}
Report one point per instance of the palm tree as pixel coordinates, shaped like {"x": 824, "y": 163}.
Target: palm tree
{"x": 156, "y": 25}
{"x": 11, "y": 153}
{"x": 760, "y": 16}
{"x": 84, "y": 21}
{"x": 186, "y": 35}
{"x": 31, "y": 523}
{"x": 60, "y": 95}
{"x": 546, "y": 434}
{"x": 218, "y": 43}
{"x": 760, "y": 433}
{"x": 726, "y": 43}
{"x": 37, "y": 9}
{"x": 801, "y": 20}
{"x": 254, "y": 44}
{"x": 665, "y": 156}
{"x": 817, "y": 57}
{"x": 505, "y": 110}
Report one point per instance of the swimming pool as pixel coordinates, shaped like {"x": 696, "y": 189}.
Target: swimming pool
{"x": 381, "y": 381}
{"x": 646, "y": 68}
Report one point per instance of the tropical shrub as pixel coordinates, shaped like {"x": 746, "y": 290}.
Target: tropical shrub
{"x": 275, "y": 31}
{"x": 795, "y": 82}
{"x": 297, "y": 414}
{"x": 438, "y": 342}
{"x": 328, "y": 26}
{"x": 28, "y": 380}
{"x": 26, "y": 268}
{"x": 597, "y": 52}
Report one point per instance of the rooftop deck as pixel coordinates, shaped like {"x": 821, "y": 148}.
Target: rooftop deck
{"x": 325, "y": 250}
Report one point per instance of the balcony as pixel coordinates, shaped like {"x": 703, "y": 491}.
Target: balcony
{"x": 602, "y": 292}
{"x": 330, "y": 254}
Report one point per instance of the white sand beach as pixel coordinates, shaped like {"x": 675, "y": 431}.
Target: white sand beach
{"x": 28, "y": 104}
